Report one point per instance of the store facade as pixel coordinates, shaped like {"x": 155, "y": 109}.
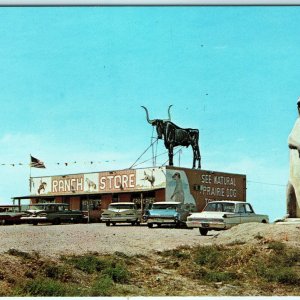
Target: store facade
{"x": 93, "y": 192}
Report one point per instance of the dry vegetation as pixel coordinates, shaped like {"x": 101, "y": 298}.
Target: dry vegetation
{"x": 268, "y": 267}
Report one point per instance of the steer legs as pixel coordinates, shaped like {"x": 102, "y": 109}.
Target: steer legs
{"x": 196, "y": 157}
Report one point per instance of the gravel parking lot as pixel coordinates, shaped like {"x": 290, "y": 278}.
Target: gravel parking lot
{"x": 54, "y": 240}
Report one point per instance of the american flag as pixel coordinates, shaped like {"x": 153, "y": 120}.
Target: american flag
{"x": 36, "y": 163}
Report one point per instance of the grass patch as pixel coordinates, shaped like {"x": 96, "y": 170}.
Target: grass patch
{"x": 118, "y": 273}
{"x": 220, "y": 276}
{"x": 102, "y": 286}
{"x": 277, "y": 246}
{"x": 109, "y": 266}
{"x": 180, "y": 253}
{"x": 264, "y": 269}
{"x": 282, "y": 275}
{"x": 43, "y": 287}
{"x": 60, "y": 272}
{"x": 88, "y": 263}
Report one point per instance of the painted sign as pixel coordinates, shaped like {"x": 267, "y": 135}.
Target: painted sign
{"x": 67, "y": 184}
{"x": 117, "y": 181}
{"x": 100, "y": 182}
{"x": 200, "y": 187}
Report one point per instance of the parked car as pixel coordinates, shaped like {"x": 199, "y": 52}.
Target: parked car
{"x": 221, "y": 215}
{"x": 122, "y": 212}
{"x": 166, "y": 212}
{"x": 54, "y": 213}
{"x": 10, "y": 214}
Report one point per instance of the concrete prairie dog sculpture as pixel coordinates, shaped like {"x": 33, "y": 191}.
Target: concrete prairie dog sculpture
{"x": 293, "y": 189}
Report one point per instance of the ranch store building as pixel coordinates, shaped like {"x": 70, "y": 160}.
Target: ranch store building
{"x": 93, "y": 192}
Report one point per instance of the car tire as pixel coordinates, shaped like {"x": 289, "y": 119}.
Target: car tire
{"x": 133, "y": 223}
{"x": 158, "y": 225}
{"x": 203, "y": 231}
{"x": 114, "y": 223}
{"x": 34, "y": 223}
{"x": 150, "y": 225}
{"x": 107, "y": 223}
{"x": 56, "y": 221}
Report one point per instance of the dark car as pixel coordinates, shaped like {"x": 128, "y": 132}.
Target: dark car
{"x": 10, "y": 214}
{"x": 54, "y": 213}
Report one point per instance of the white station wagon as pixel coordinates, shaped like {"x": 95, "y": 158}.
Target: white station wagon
{"x": 221, "y": 215}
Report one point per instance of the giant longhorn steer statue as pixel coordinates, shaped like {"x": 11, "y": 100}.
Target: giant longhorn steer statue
{"x": 175, "y": 136}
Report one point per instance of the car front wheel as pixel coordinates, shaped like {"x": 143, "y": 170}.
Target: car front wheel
{"x": 107, "y": 223}
{"x": 203, "y": 231}
{"x": 56, "y": 221}
{"x": 150, "y": 225}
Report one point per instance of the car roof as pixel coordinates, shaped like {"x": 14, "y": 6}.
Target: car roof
{"x": 118, "y": 203}
{"x": 167, "y": 202}
{"x": 226, "y": 201}
{"x": 56, "y": 204}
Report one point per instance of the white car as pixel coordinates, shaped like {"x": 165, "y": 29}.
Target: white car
{"x": 221, "y": 215}
{"x": 122, "y": 212}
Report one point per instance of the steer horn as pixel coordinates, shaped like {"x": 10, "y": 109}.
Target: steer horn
{"x": 147, "y": 114}
{"x": 169, "y": 112}
{"x": 168, "y": 120}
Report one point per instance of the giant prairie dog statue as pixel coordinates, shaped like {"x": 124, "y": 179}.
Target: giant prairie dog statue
{"x": 293, "y": 189}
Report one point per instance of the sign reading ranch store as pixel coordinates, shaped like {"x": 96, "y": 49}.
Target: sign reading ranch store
{"x": 67, "y": 184}
{"x": 116, "y": 181}
{"x": 108, "y": 182}
{"x": 99, "y": 182}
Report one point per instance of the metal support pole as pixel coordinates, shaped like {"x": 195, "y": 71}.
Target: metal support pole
{"x": 88, "y": 200}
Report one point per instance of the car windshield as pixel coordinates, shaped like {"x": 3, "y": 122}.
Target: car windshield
{"x": 121, "y": 206}
{"x": 219, "y": 206}
{"x": 164, "y": 206}
{"x": 36, "y": 207}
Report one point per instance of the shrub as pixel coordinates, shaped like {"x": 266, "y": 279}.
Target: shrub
{"x": 208, "y": 255}
{"x": 118, "y": 273}
{"x": 57, "y": 272}
{"x": 280, "y": 275}
{"x": 88, "y": 263}
{"x": 103, "y": 286}
{"x": 220, "y": 276}
{"x": 277, "y": 246}
{"x": 213, "y": 275}
{"x": 177, "y": 253}
{"x": 43, "y": 287}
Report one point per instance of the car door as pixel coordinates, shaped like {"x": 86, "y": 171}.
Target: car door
{"x": 246, "y": 213}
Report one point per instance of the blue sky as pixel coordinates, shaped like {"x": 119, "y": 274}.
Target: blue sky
{"x": 72, "y": 81}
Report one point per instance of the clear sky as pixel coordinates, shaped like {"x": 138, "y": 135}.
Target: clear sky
{"x": 72, "y": 81}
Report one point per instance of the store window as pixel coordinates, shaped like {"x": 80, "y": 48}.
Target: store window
{"x": 94, "y": 204}
{"x": 145, "y": 202}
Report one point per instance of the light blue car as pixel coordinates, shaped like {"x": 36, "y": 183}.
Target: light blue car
{"x": 173, "y": 213}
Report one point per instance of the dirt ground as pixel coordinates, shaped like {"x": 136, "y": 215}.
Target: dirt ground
{"x": 54, "y": 240}
{"x": 153, "y": 271}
